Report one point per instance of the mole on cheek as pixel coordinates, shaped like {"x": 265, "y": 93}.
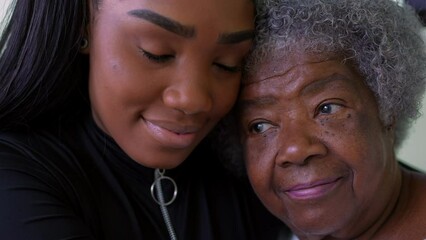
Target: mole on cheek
{"x": 115, "y": 65}
{"x": 349, "y": 116}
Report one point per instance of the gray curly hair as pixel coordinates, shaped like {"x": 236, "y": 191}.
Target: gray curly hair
{"x": 380, "y": 37}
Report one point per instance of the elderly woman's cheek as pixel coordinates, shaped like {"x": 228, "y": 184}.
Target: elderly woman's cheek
{"x": 260, "y": 152}
{"x": 252, "y": 150}
{"x": 354, "y": 136}
{"x": 337, "y": 127}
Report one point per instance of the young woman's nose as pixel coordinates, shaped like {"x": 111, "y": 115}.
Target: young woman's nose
{"x": 298, "y": 143}
{"x": 190, "y": 92}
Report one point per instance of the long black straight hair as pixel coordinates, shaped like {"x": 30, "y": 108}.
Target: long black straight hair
{"x": 43, "y": 75}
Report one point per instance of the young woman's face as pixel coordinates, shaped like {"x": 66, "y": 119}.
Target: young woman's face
{"x": 316, "y": 152}
{"x": 163, "y": 73}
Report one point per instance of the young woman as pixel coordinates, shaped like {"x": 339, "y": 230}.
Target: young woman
{"x": 100, "y": 104}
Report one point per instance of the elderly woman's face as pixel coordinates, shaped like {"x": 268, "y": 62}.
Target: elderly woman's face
{"x": 162, "y": 73}
{"x": 316, "y": 152}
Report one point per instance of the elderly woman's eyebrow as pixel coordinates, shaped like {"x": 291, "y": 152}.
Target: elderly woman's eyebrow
{"x": 318, "y": 85}
{"x": 236, "y": 37}
{"x": 164, "y": 22}
{"x": 257, "y": 102}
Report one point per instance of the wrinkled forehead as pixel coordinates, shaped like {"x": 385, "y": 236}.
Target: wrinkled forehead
{"x": 279, "y": 61}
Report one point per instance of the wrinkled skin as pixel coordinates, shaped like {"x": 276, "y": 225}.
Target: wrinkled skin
{"x": 158, "y": 89}
{"x": 318, "y": 155}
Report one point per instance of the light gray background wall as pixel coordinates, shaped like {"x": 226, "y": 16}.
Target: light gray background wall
{"x": 3, "y": 6}
{"x": 413, "y": 150}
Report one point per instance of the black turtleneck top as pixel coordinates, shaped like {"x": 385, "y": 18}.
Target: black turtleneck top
{"x": 74, "y": 182}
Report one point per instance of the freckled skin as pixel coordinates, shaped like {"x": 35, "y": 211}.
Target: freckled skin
{"x": 314, "y": 120}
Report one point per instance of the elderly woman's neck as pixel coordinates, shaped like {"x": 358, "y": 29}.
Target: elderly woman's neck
{"x": 400, "y": 211}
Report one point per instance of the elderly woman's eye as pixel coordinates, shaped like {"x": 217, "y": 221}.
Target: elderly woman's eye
{"x": 328, "y": 108}
{"x": 259, "y": 127}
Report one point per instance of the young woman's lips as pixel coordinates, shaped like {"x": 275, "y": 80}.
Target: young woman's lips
{"x": 172, "y": 135}
{"x": 312, "y": 190}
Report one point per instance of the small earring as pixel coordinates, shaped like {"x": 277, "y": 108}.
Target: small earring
{"x": 84, "y": 43}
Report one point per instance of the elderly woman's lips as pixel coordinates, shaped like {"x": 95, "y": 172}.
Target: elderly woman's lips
{"x": 312, "y": 190}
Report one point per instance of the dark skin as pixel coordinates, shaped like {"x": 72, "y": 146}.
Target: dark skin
{"x": 163, "y": 73}
{"x": 319, "y": 157}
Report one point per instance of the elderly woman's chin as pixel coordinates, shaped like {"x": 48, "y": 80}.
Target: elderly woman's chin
{"x": 337, "y": 210}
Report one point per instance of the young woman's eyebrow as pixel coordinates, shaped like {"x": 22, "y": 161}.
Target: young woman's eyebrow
{"x": 188, "y": 31}
{"x": 164, "y": 22}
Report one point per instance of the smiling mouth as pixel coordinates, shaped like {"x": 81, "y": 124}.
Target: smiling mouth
{"x": 313, "y": 190}
{"x": 171, "y": 135}
{"x": 174, "y": 128}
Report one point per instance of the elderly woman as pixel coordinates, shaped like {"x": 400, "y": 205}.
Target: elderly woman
{"x": 329, "y": 94}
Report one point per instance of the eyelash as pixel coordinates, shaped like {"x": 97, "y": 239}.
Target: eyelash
{"x": 231, "y": 69}
{"x": 156, "y": 58}
{"x": 164, "y": 58}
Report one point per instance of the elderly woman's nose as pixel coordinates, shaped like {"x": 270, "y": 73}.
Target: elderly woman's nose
{"x": 298, "y": 143}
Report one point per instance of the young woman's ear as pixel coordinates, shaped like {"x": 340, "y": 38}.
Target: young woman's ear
{"x": 84, "y": 45}
{"x": 84, "y": 41}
